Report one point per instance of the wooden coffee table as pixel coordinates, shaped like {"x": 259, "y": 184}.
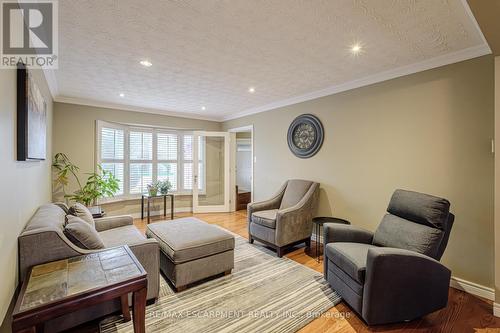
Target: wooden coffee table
{"x": 61, "y": 287}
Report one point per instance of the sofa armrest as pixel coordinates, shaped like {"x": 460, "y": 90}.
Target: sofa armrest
{"x": 44, "y": 245}
{"x": 402, "y": 285}
{"x": 334, "y": 232}
{"x": 111, "y": 222}
{"x": 148, "y": 254}
{"x": 273, "y": 203}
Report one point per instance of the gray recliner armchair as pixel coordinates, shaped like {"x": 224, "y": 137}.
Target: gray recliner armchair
{"x": 286, "y": 219}
{"x": 394, "y": 274}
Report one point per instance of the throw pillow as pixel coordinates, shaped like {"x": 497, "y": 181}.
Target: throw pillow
{"x": 82, "y": 212}
{"x": 82, "y": 234}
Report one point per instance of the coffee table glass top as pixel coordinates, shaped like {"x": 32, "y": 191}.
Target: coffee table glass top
{"x": 59, "y": 279}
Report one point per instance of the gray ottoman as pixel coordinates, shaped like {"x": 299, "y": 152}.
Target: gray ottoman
{"x": 192, "y": 250}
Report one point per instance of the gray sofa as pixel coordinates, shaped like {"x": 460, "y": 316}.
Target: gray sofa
{"x": 43, "y": 240}
{"x": 286, "y": 219}
{"x": 394, "y": 274}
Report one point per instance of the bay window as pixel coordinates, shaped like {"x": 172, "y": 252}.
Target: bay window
{"x": 138, "y": 156}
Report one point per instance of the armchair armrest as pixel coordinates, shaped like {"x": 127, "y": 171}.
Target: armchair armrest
{"x": 402, "y": 285}
{"x": 111, "y": 222}
{"x": 334, "y": 232}
{"x": 294, "y": 223}
{"x": 273, "y": 203}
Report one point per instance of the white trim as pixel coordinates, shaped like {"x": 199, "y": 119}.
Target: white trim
{"x": 450, "y": 58}
{"x": 123, "y": 107}
{"x": 50, "y": 77}
{"x": 474, "y": 22}
{"x": 496, "y": 309}
{"x": 472, "y": 288}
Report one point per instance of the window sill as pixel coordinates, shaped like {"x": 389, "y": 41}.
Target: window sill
{"x": 138, "y": 197}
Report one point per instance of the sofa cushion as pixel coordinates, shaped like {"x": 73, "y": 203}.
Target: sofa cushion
{"x": 267, "y": 218}
{"x": 126, "y": 235}
{"x": 294, "y": 192}
{"x": 187, "y": 239}
{"x": 420, "y": 208}
{"x": 47, "y": 216}
{"x": 350, "y": 258}
{"x": 396, "y": 232}
{"x": 82, "y": 234}
{"x": 82, "y": 212}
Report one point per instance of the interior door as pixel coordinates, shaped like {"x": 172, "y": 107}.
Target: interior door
{"x": 211, "y": 172}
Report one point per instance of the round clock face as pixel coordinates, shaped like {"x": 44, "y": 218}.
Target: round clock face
{"x": 305, "y": 136}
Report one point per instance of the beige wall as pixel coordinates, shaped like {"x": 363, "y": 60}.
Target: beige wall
{"x": 429, "y": 132}
{"x": 497, "y": 183}
{"x": 74, "y": 135}
{"x": 24, "y": 185}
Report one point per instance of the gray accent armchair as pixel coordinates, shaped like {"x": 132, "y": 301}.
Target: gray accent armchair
{"x": 394, "y": 274}
{"x": 285, "y": 219}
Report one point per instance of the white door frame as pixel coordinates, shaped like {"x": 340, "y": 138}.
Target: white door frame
{"x": 233, "y": 163}
{"x": 215, "y": 208}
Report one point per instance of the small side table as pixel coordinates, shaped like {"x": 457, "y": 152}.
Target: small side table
{"x": 97, "y": 212}
{"x": 318, "y": 223}
{"x": 61, "y": 287}
{"x": 151, "y": 197}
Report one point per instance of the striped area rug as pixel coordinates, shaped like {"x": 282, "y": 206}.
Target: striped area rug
{"x": 263, "y": 294}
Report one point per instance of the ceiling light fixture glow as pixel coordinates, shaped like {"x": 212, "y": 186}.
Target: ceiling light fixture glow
{"x": 122, "y": 95}
{"x": 356, "y": 49}
{"x": 146, "y": 63}
{"x": 251, "y": 90}
{"x": 203, "y": 108}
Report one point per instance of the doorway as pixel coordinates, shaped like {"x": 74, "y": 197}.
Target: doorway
{"x": 242, "y": 191}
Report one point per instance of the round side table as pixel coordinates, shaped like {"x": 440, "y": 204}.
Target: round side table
{"x": 318, "y": 223}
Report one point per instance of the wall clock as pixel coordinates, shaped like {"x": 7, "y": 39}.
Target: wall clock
{"x": 305, "y": 136}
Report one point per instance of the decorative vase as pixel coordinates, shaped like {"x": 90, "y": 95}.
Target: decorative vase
{"x": 153, "y": 192}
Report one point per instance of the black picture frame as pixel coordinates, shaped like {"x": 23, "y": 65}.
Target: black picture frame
{"x": 31, "y": 118}
{"x": 316, "y": 124}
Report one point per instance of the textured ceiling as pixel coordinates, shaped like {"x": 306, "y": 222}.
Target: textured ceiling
{"x": 208, "y": 53}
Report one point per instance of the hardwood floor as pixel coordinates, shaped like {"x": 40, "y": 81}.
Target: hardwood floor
{"x": 464, "y": 313}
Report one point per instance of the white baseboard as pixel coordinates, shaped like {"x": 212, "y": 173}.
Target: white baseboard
{"x": 160, "y": 212}
{"x": 496, "y": 309}
{"x": 472, "y": 288}
{"x": 463, "y": 285}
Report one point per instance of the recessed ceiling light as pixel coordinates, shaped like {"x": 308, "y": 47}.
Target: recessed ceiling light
{"x": 122, "y": 95}
{"x": 203, "y": 108}
{"x": 356, "y": 48}
{"x": 146, "y": 63}
{"x": 251, "y": 90}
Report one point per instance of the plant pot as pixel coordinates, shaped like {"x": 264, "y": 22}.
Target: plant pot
{"x": 153, "y": 192}
{"x": 164, "y": 192}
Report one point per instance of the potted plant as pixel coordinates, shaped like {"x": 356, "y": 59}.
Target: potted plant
{"x": 98, "y": 185}
{"x": 164, "y": 186}
{"x": 153, "y": 189}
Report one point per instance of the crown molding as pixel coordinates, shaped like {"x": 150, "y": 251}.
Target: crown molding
{"x": 50, "y": 77}
{"x": 469, "y": 12}
{"x": 123, "y": 107}
{"x": 447, "y": 59}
